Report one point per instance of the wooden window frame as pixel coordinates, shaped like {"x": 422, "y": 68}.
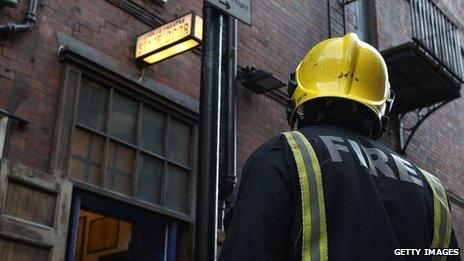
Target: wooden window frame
{"x": 73, "y": 73}
{"x": 4, "y": 127}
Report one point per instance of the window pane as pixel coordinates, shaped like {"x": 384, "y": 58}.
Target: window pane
{"x": 153, "y": 131}
{"x": 123, "y": 118}
{"x": 149, "y": 179}
{"x": 120, "y": 168}
{"x": 179, "y": 142}
{"x": 86, "y": 157}
{"x": 177, "y": 190}
{"x": 92, "y": 105}
{"x": 77, "y": 169}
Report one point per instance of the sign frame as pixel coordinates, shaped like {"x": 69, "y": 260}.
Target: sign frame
{"x": 230, "y": 7}
{"x": 187, "y": 37}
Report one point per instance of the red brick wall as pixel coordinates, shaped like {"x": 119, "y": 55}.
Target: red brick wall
{"x": 458, "y": 222}
{"x": 438, "y": 147}
{"x": 393, "y": 23}
{"x": 30, "y": 70}
{"x": 29, "y": 86}
{"x": 282, "y": 33}
{"x": 29, "y": 62}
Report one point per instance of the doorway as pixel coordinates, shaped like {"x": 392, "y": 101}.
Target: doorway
{"x": 104, "y": 229}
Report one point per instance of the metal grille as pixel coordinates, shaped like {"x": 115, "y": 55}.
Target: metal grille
{"x": 438, "y": 35}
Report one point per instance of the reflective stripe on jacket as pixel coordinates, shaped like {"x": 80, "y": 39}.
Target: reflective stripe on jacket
{"x": 314, "y": 243}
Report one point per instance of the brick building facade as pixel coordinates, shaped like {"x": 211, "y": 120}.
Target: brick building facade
{"x": 65, "y": 170}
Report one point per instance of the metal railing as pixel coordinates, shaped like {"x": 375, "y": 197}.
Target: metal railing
{"x": 438, "y": 35}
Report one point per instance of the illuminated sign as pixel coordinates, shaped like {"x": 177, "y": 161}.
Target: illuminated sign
{"x": 170, "y": 39}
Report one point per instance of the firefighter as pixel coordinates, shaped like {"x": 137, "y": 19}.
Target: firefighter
{"x": 328, "y": 191}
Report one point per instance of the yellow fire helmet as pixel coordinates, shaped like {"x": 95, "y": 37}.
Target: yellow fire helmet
{"x": 346, "y": 68}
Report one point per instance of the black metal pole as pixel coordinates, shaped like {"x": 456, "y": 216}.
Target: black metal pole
{"x": 329, "y": 19}
{"x": 208, "y": 148}
{"x": 344, "y": 17}
{"x": 228, "y": 178}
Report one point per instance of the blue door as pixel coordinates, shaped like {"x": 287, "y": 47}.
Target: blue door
{"x": 105, "y": 229}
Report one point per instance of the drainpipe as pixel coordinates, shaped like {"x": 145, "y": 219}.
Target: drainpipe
{"x": 9, "y": 29}
{"x": 228, "y": 179}
{"x": 8, "y": 3}
{"x": 208, "y": 147}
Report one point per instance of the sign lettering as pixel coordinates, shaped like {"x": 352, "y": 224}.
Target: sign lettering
{"x": 164, "y": 36}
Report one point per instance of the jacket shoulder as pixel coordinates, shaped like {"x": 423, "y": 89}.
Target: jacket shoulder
{"x": 276, "y": 154}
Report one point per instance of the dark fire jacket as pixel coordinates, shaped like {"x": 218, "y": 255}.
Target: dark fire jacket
{"x": 375, "y": 202}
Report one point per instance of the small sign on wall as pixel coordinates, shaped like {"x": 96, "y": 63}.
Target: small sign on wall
{"x": 170, "y": 39}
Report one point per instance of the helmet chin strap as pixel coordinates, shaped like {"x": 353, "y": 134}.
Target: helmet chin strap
{"x": 385, "y": 119}
{"x": 292, "y": 84}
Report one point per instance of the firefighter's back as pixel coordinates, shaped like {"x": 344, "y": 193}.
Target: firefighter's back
{"x": 375, "y": 200}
